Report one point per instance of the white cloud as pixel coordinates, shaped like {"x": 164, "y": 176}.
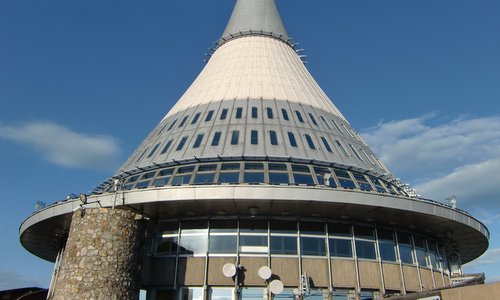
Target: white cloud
{"x": 412, "y": 148}
{"x": 64, "y": 147}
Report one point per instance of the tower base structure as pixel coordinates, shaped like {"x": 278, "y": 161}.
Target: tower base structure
{"x": 102, "y": 256}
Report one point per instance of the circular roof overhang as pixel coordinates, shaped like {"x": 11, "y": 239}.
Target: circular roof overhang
{"x": 45, "y": 231}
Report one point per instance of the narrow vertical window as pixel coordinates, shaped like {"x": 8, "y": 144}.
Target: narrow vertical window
{"x": 239, "y": 112}
{"x": 366, "y": 155}
{"x": 269, "y": 113}
{"x": 299, "y": 116}
{"x": 154, "y": 150}
{"x": 199, "y": 139}
{"x": 313, "y": 119}
{"x": 355, "y": 152}
{"x": 348, "y": 131}
{"x": 172, "y": 125}
{"x": 254, "y": 137}
{"x": 223, "y": 114}
{"x": 181, "y": 144}
{"x": 235, "y": 136}
{"x": 216, "y": 139}
{"x": 285, "y": 114}
{"x": 209, "y": 116}
{"x": 183, "y": 121}
{"x": 325, "y": 143}
{"x": 341, "y": 147}
{"x": 273, "y": 137}
{"x": 337, "y": 126}
{"x": 254, "y": 113}
{"x": 291, "y": 138}
{"x": 195, "y": 119}
{"x": 326, "y": 123}
{"x": 165, "y": 148}
{"x": 310, "y": 142}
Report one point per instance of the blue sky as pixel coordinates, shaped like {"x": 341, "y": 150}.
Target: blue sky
{"x": 83, "y": 82}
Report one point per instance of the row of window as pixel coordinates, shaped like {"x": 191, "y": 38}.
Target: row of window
{"x": 259, "y": 293}
{"x": 291, "y": 238}
{"x": 274, "y": 173}
{"x": 254, "y": 113}
{"x": 274, "y": 140}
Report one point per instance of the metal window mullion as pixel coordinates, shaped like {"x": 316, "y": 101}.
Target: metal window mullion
{"x": 416, "y": 259}
{"x": 329, "y": 258}
{"x": 429, "y": 262}
{"x": 358, "y": 283}
{"x": 400, "y": 262}
{"x": 379, "y": 259}
{"x": 177, "y": 254}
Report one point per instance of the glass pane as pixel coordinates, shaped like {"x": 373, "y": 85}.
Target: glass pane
{"x": 167, "y": 246}
{"x": 326, "y": 144}
{"x": 183, "y": 121}
{"x": 218, "y": 226}
{"x": 142, "y": 184}
{"x": 221, "y": 293}
{"x": 239, "y": 112}
{"x": 291, "y": 138}
{"x": 172, "y": 125}
{"x": 289, "y": 227}
{"x": 235, "y": 137}
{"x": 161, "y": 181}
{"x": 229, "y": 177}
{"x": 312, "y": 228}
{"x": 188, "y": 169}
{"x": 404, "y": 238}
{"x": 321, "y": 181}
{"x": 230, "y": 166}
{"x": 204, "y": 168}
{"x": 181, "y": 143}
{"x": 253, "y": 177}
{"x": 222, "y": 244}
{"x": 277, "y": 178}
{"x": 254, "y": 137}
{"x": 313, "y": 119}
{"x": 419, "y": 242}
{"x": 348, "y": 184}
{"x": 364, "y": 232}
{"x": 269, "y": 112}
{"x": 421, "y": 257}
{"x": 253, "y": 244}
{"x": 342, "y": 173}
{"x": 253, "y": 226}
{"x": 303, "y": 179}
{"x": 165, "y": 295}
{"x": 273, "y": 137}
{"x": 286, "y": 245}
{"x": 252, "y": 294}
{"x": 216, "y": 138}
{"x": 181, "y": 179}
{"x": 385, "y": 234}
{"x": 199, "y": 139}
{"x": 299, "y": 116}
{"x": 388, "y": 251}
{"x": 194, "y": 227}
{"x": 310, "y": 142}
{"x": 340, "y": 247}
{"x": 209, "y": 116}
{"x": 204, "y": 178}
{"x": 168, "y": 227}
{"x": 285, "y": 114}
{"x": 192, "y": 293}
{"x": 300, "y": 168}
{"x": 223, "y": 114}
{"x": 339, "y": 229}
{"x": 194, "y": 245}
{"x": 312, "y": 246}
{"x": 365, "y": 249}
{"x": 254, "y": 166}
{"x": 406, "y": 254}
{"x": 277, "y": 167}
{"x": 195, "y": 119}
{"x": 166, "y": 172}
{"x": 254, "y": 112}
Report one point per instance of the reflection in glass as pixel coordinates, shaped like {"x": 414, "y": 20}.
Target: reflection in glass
{"x": 181, "y": 179}
{"x": 406, "y": 254}
{"x": 340, "y": 247}
{"x": 253, "y": 244}
{"x": 167, "y": 246}
{"x": 286, "y": 245}
{"x": 278, "y": 178}
{"x": 387, "y": 251}
{"x": 253, "y": 177}
{"x": 303, "y": 179}
{"x": 312, "y": 246}
{"x": 221, "y": 293}
{"x": 192, "y": 293}
{"x": 194, "y": 245}
{"x": 222, "y": 244}
{"x": 229, "y": 177}
{"x": 421, "y": 257}
{"x": 207, "y": 178}
{"x": 365, "y": 249}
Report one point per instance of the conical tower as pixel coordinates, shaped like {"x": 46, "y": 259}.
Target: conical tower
{"x": 255, "y": 166}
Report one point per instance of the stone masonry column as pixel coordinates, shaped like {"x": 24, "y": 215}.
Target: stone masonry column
{"x": 102, "y": 257}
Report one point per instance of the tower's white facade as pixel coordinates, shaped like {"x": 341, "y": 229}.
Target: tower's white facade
{"x": 255, "y": 166}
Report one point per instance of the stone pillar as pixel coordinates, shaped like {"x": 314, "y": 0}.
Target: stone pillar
{"x": 102, "y": 257}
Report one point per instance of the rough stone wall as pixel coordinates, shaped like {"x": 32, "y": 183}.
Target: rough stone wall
{"x": 102, "y": 256}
